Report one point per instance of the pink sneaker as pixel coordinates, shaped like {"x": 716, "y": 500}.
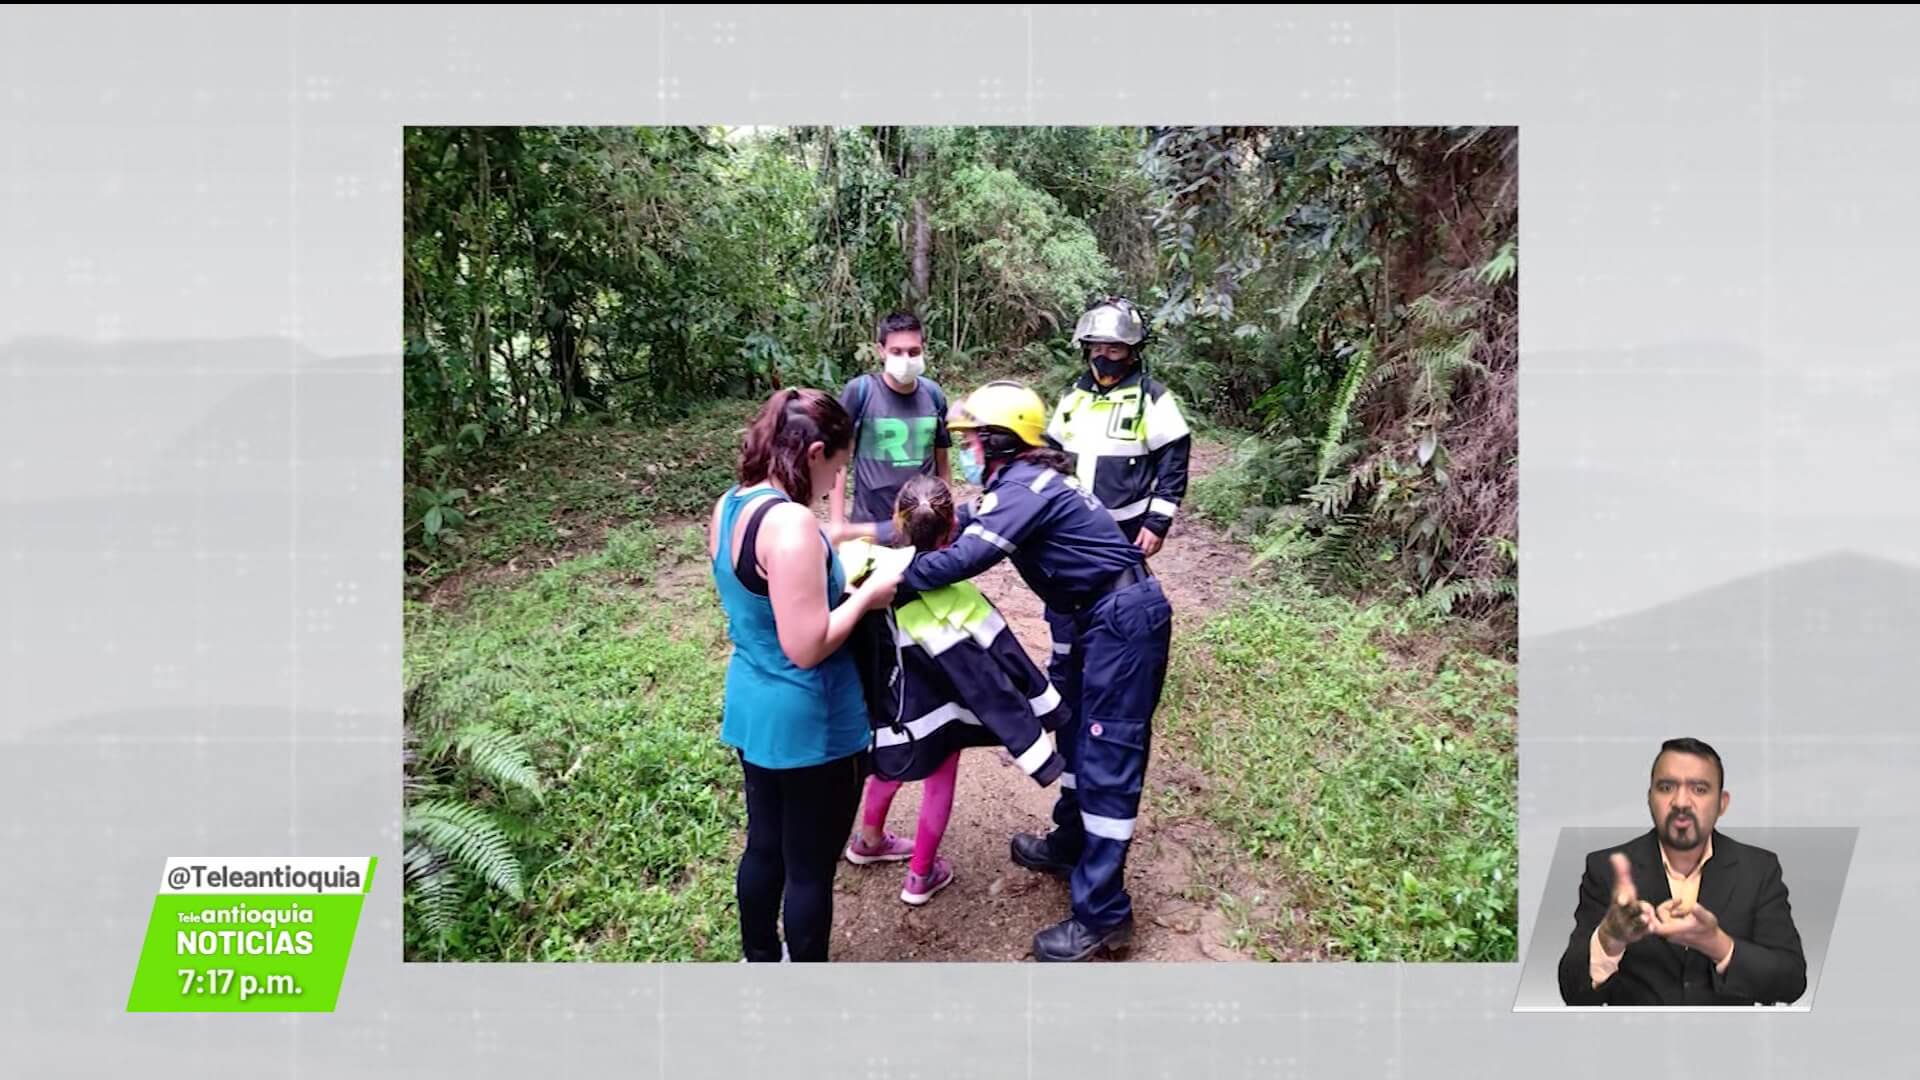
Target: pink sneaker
{"x": 890, "y": 849}
{"x": 918, "y": 889}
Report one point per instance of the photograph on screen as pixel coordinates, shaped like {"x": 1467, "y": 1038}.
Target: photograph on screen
{"x": 990, "y": 544}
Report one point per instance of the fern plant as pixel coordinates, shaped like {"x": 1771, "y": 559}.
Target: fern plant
{"x": 1384, "y": 489}
{"x": 463, "y": 782}
{"x": 1443, "y": 598}
{"x": 1341, "y": 417}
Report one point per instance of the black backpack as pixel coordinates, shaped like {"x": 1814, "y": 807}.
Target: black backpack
{"x": 876, "y": 657}
{"x": 863, "y": 393}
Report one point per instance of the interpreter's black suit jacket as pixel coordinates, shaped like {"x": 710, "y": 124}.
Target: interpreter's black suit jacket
{"x": 1743, "y": 888}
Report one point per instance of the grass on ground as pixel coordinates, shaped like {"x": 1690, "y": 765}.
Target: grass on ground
{"x": 1367, "y": 760}
{"x": 611, "y": 678}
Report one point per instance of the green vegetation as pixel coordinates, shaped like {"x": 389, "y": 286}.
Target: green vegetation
{"x": 1372, "y": 785}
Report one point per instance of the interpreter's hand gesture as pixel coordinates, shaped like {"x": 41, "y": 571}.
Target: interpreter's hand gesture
{"x": 1629, "y": 918}
{"x": 1687, "y": 924}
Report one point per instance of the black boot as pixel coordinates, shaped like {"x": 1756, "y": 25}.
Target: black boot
{"x": 1071, "y": 941}
{"x": 1033, "y": 853}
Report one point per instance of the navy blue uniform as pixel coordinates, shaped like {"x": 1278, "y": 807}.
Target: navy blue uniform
{"x": 1112, "y": 628}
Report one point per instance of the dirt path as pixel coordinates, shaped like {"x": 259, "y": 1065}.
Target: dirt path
{"x": 993, "y": 907}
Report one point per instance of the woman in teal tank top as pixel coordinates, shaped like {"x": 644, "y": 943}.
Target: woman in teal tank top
{"x": 793, "y": 712}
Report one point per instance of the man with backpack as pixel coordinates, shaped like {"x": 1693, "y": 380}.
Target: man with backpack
{"x": 900, "y": 428}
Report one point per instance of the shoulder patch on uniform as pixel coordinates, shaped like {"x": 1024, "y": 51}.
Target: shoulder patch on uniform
{"x": 985, "y": 504}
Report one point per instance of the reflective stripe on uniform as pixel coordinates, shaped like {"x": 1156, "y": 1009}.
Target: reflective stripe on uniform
{"x": 1130, "y": 511}
{"x": 1111, "y": 828}
{"x": 1062, "y": 650}
{"x": 925, "y": 725}
{"x": 1163, "y": 507}
{"x": 1046, "y": 702}
{"x": 988, "y": 628}
{"x": 1066, "y": 779}
{"x": 1084, "y": 469}
{"x": 1100, "y": 444}
{"x": 991, "y": 537}
{"x": 1035, "y": 756}
{"x": 935, "y": 637}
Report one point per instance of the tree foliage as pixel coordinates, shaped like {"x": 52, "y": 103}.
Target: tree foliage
{"x": 1352, "y": 293}
{"x": 1349, "y": 294}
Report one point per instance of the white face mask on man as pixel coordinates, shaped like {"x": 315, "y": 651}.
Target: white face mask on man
{"x": 903, "y": 368}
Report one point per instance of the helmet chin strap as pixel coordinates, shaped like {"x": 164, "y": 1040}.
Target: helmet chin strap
{"x": 996, "y": 449}
{"x": 1002, "y": 444}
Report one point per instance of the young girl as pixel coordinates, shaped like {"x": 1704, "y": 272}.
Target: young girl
{"x": 962, "y": 680}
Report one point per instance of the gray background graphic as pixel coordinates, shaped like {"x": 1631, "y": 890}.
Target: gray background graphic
{"x": 1813, "y": 864}
{"x": 200, "y": 501}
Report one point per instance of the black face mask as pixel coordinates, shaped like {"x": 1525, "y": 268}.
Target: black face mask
{"x": 1111, "y": 369}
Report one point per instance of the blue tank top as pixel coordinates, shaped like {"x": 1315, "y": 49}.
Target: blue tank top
{"x": 779, "y": 715}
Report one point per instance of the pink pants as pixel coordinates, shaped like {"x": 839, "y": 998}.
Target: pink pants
{"x": 936, "y": 804}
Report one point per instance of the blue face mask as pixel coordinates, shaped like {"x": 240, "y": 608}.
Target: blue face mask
{"x": 970, "y": 469}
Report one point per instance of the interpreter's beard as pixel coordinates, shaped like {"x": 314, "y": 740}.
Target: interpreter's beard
{"x": 1681, "y": 838}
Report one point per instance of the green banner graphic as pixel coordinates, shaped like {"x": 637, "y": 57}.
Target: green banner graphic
{"x": 250, "y": 935}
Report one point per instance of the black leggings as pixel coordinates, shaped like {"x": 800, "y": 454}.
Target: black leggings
{"x": 797, "y": 822}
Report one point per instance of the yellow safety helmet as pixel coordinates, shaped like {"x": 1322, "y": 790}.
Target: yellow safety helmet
{"x": 1003, "y": 404}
